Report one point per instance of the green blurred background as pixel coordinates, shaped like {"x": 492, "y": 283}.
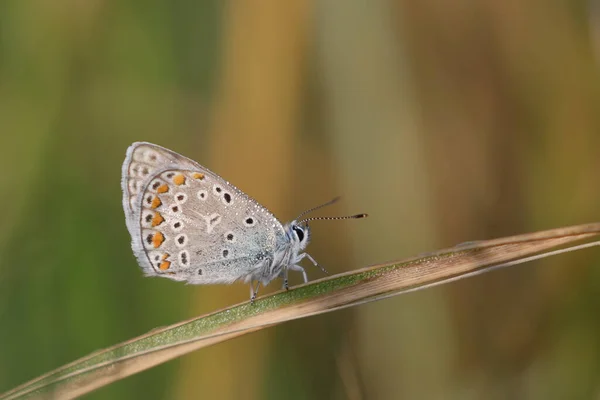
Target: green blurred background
{"x": 445, "y": 121}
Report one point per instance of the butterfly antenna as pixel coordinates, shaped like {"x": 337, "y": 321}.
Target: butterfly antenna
{"x": 330, "y": 202}
{"x": 333, "y": 218}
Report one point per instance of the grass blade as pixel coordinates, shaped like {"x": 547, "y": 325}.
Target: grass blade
{"x": 317, "y": 297}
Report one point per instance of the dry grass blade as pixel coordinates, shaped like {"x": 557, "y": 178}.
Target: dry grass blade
{"x": 332, "y": 293}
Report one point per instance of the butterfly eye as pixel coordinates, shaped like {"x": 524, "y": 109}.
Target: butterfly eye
{"x": 299, "y": 232}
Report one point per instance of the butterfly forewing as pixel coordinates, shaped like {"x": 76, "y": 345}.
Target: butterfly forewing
{"x": 189, "y": 224}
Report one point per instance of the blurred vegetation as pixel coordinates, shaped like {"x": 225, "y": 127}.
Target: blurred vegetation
{"x": 445, "y": 122}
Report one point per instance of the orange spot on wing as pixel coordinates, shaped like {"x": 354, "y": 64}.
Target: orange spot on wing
{"x": 164, "y": 265}
{"x": 157, "y": 220}
{"x": 179, "y": 179}
{"x": 198, "y": 175}
{"x": 165, "y": 256}
{"x": 158, "y": 239}
{"x": 155, "y": 203}
{"x": 164, "y": 188}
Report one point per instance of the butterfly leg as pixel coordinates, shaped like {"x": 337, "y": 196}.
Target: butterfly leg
{"x": 285, "y": 279}
{"x": 298, "y": 268}
{"x": 315, "y": 263}
{"x": 253, "y": 291}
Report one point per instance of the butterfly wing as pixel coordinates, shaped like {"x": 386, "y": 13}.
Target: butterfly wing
{"x": 142, "y": 161}
{"x": 188, "y": 224}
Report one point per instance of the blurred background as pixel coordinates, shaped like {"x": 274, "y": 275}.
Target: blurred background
{"x": 445, "y": 121}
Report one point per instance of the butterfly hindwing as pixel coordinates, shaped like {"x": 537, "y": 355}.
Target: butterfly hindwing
{"x": 141, "y": 163}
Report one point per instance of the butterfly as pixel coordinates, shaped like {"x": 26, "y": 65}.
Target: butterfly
{"x": 189, "y": 224}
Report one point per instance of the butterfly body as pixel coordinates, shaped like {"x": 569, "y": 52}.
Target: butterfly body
{"x": 188, "y": 224}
